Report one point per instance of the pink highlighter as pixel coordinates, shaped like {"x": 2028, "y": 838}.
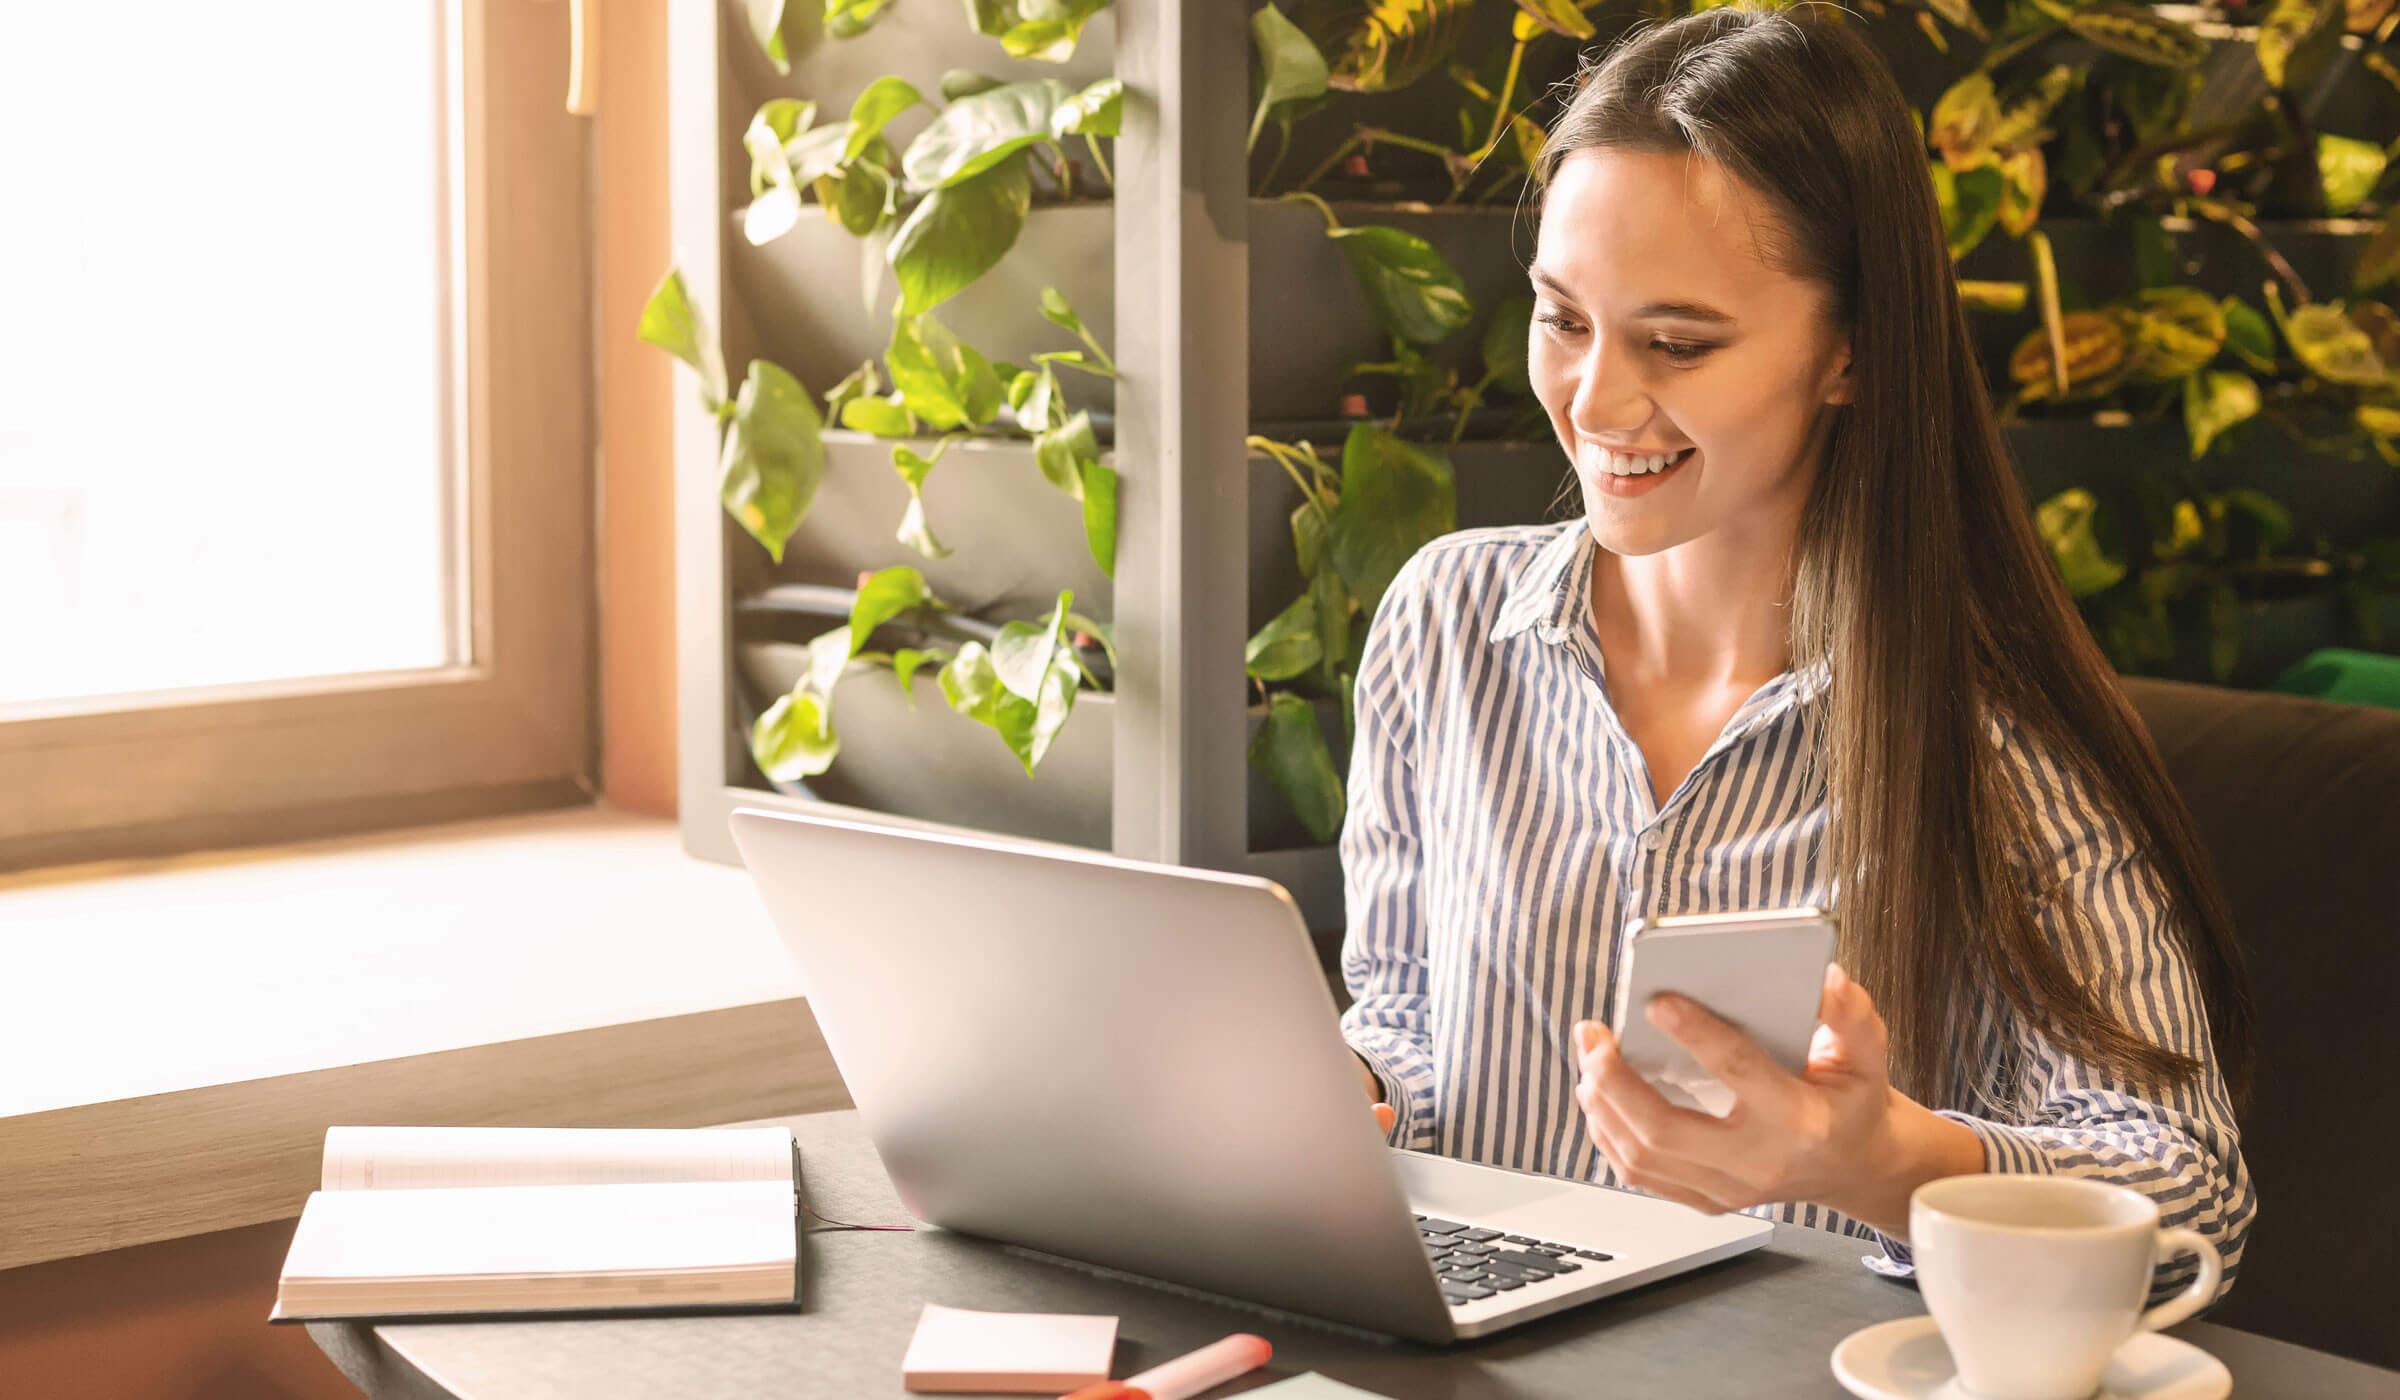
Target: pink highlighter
{"x": 1186, "y": 1376}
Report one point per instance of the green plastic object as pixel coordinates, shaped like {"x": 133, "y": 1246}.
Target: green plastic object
{"x": 2350, "y": 677}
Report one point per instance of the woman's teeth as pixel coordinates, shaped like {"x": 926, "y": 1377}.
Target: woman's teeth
{"x": 1616, "y": 465}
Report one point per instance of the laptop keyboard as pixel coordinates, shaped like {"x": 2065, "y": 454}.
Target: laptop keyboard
{"x": 1475, "y": 1263}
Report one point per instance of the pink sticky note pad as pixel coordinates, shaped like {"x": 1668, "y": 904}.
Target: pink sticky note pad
{"x": 1034, "y": 1353}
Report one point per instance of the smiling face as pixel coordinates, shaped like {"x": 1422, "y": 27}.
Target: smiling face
{"x": 1659, "y": 329}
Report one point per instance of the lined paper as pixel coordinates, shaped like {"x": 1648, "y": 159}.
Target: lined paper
{"x": 404, "y": 1158}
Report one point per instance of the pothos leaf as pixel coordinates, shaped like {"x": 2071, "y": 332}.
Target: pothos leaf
{"x": 2065, "y": 522}
{"x": 2329, "y": 342}
{"x": 674, "y": 324}
{"x": 957, "y": 233}
{"x": 2248, "y": 334}
{"x": 1379, "y": 45}
{"x": 1023, "y": 652}
{"x": 766, "y": 26}
{"x": 913, "y": 470}
{"x": 1290, "y": 750}
{"x": 886, "y": 594}
{"x": 1506, "y": 343}
{"x": 884, "y": 99}
{"x": 1965, "y": 120}
{"x": 1415, "y": 292}
{"x": 1038, "y": 29}
{"x": 1064, "y": 452}
{"x": 1290, "y": 68}
{"x": 905, "y": 662}
{"x": 1100, "y": 515}
{"x": 944, "y": 380}
{"x": 794, "y": 739}
{"x": 976, "y": 133}
{"x": 1098, "y": 110}
{"x": 2288, "y": 22}
{"x": 774, "y": 456}
{"x": 2349, "y": 169}
{"x": 1396, "y": 498}
{"x": 972, "y": 688}
{"x": 847, "y": 19}
{"x": 1287, "y": 646}
{"x": 2213, "y": 402}
{"x": 2139, "y": 34}
{"x": 1560, "y": 17}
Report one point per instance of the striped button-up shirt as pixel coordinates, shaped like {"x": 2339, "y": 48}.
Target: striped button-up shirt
{"x": 1503, "y": 834}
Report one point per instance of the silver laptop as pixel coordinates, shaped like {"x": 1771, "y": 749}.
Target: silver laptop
{"x": 1138, "y": 1066}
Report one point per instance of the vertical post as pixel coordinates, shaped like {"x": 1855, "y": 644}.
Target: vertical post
{"x": 1183, "y": 403}
{"x": 703, "y": 638}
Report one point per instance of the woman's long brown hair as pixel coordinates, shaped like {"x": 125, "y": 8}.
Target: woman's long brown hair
{"x": 1921, "y": 580}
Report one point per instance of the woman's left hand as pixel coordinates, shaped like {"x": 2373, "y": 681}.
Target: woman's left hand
{"x": 1837, "y": 1133}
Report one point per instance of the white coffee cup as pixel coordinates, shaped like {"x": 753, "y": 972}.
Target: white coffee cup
{"x": 2035, "y": 1280}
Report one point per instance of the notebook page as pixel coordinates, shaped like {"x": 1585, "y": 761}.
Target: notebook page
{"x": 482, "y": 1231}
{"x": 956, "y": 1349}
{"x": 402, "y": 1158}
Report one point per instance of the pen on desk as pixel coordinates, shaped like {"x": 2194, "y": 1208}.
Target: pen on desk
{"x": 1187, "y": 1375}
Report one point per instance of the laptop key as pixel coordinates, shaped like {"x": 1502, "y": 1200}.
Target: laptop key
{"x": 1435, "y": 1225}
{"x": 1465, "y": 1292}
{"x": 1536, "y": 1262}
{"x": 1594, "y": 1254}
{"x": 1474, "y": 1250}
{"x": 1502, "y": 1281}
{"x": 1478, "y": 1235}
{"x": 1520, "y": 1239}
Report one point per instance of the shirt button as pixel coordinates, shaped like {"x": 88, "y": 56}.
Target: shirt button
{"x": 1650, "y": 839}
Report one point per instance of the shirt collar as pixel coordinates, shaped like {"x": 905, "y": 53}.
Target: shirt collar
{"x": 1549, "y": 595}
{"x": 1551, "y": 598}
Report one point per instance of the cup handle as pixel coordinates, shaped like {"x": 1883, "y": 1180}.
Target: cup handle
{"x": 2203, "y": 1289}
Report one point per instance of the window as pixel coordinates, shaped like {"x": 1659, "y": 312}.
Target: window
{"x": 294, "y": 457}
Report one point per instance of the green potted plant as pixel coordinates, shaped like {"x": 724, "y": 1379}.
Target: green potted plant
{"x": 934, "y": 215}
{"x": 2171, "y": 195}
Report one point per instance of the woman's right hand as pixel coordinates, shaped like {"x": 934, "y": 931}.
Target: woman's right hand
{"x": 1385, "y": 1114}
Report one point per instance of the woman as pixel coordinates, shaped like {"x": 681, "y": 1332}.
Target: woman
{"x": 1803, "y": 647}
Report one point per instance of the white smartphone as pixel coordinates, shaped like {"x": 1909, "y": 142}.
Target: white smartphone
{"x": 1762, "y": 971}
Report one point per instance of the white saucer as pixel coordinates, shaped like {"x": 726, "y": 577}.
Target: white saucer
{"x": 1907, "y": 1360}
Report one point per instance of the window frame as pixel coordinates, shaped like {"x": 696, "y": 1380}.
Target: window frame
{"x": 510, "y": 727}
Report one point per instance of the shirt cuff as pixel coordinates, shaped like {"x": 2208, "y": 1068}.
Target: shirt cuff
{"x": 2005, "y": 1149}
{"x": 1412, "y": 1106}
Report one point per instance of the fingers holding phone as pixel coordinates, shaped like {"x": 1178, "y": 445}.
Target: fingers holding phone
{"x": 1654, "y": 1145}
{"x": 1806, "y": 1110}
{"x": 1760, "y": 976}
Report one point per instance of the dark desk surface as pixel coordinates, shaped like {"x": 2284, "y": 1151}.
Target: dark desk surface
{"x": 1761, "y": 1325}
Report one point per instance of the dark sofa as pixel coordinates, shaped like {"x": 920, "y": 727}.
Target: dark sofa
{"x": 2299, "y": 803}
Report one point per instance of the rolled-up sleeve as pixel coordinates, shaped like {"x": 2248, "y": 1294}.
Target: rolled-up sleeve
{"x": 2175, "y": 1143}
{"x": 1383, "y": 947}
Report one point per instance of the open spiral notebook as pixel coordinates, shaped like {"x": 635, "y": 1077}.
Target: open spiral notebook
{"x": 418, "y": 1221}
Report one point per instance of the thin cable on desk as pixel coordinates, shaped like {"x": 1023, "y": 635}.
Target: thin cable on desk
{"x": 832, "y": 1224}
